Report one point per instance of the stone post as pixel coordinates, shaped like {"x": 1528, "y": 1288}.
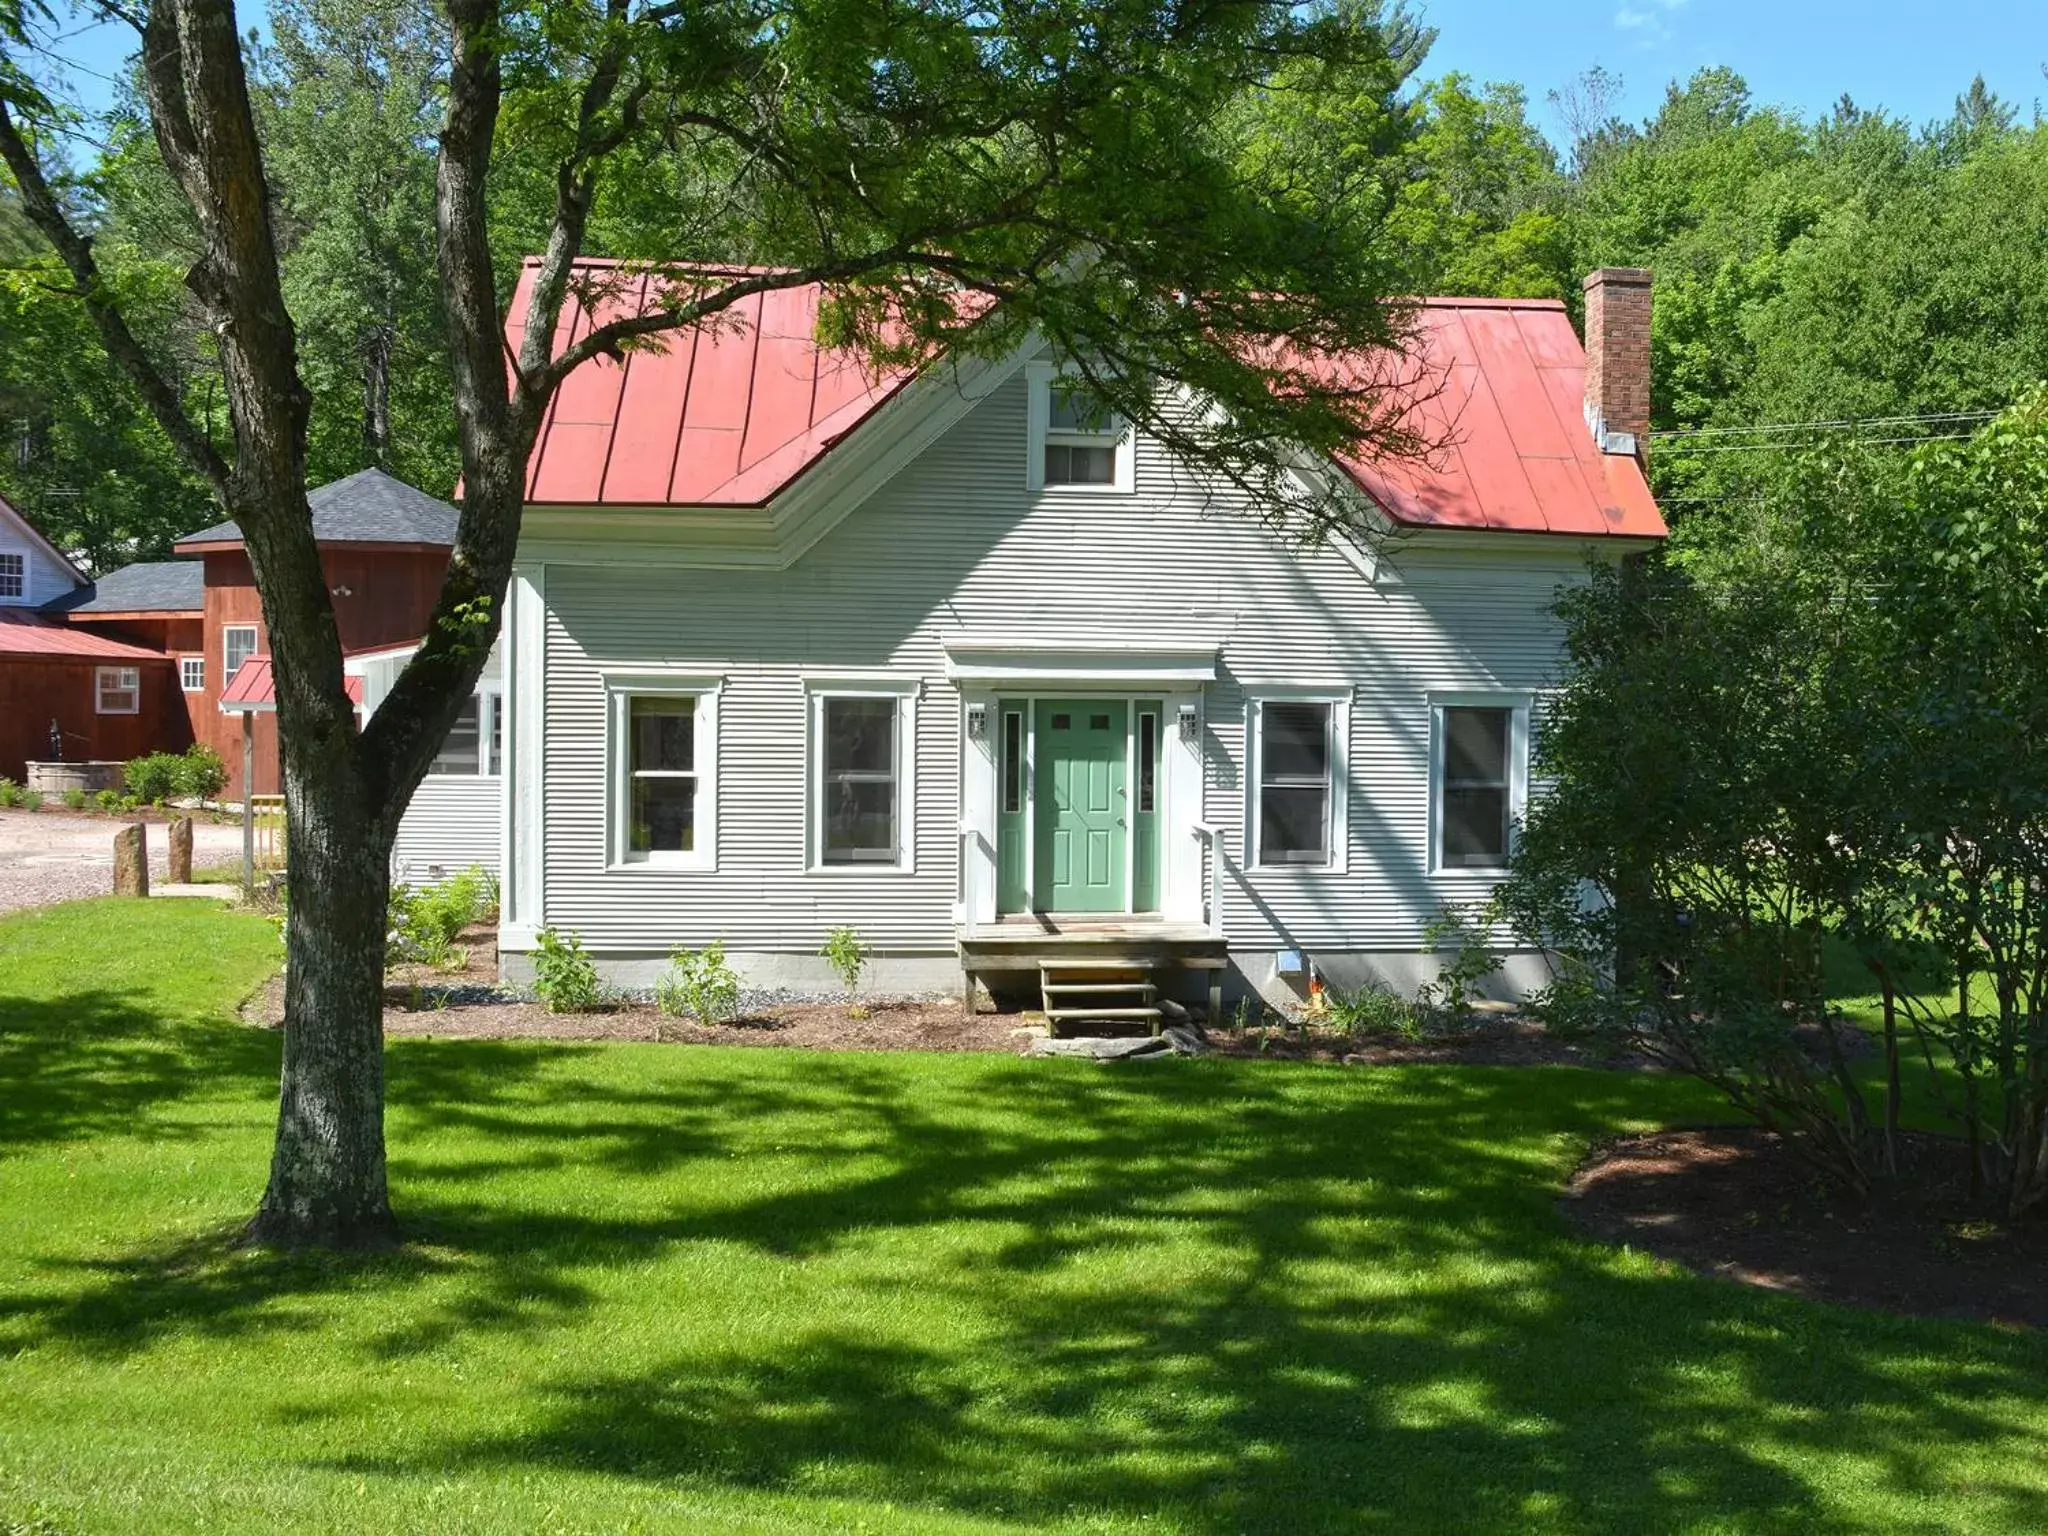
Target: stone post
{"x": 131, "y": 861}
{"x": 180, "y": 872}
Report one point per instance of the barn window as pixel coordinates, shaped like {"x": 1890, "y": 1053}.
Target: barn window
{"x": 117, "y": 690}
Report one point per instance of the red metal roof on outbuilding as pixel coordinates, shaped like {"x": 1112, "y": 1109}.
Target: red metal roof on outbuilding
{"x": 731, "y": 414}
{"x": 254, "y": 687}
{"x": 23, "y": 633}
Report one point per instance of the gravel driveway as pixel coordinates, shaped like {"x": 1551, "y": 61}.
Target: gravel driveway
{"x": 46, "y": 857}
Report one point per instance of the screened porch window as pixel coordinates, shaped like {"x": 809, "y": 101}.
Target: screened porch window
{"x": 474, "y": 743}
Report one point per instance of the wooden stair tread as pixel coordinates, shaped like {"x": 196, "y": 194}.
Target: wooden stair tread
{"x": 1058, "y": 1014}
{"x": 1079, "y": 988}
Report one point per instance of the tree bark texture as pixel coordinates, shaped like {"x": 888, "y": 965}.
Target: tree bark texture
{"x": 327, "y": 1170}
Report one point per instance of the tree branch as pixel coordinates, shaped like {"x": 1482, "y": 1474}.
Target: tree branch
{"x": 75, "y": 251}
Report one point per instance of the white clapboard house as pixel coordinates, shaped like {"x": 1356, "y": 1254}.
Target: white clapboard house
{"x": 1004, "y": 689}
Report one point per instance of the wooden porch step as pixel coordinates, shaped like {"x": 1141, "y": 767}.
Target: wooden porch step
{"x": 1139, "y": 1015}
{"x": 1143, "y": 989}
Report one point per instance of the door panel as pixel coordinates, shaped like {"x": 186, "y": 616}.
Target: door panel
{"x": 1082, "y": 818}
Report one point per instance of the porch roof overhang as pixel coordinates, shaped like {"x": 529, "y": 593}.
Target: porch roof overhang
{"x": 991, "y": 659}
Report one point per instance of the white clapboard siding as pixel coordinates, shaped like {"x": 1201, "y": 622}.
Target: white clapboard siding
{"x": 45, "y": 578}
{"x": 955, "y": 544}
{"x": 452, "y": 823}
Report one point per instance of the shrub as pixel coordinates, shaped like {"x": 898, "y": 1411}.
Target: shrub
{"x": 10, "y": 793}
{"x": 699, "y": 984}
{"x": 32, "y": 800}
{"x": 424, "y": 922}
{"x": 154, "y": 778}
{"x": 108, "y": 799}
{"x": 201, "y": 773}
{"x": 847, "y": 956}
{"x": 564, "y": 977}
{"x": 75, "y": 799}
{"x": 1466, "y": 932}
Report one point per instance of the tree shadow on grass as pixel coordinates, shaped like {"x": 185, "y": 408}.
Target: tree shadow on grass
{"x": 1352, "y": 1305}
{"x": 97, "y": 1062}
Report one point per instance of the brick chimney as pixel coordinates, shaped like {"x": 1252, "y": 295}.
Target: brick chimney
{"x": 1618, "y": 359}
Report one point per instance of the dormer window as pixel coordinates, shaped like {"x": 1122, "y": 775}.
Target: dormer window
{"x": 1076, "y": 443}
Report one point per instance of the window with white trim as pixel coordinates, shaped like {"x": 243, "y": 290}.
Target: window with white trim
{"x": 117, "y": 690}
{"x": 1076, "y": 443}
{"x": 1478, "y": 761}
{"x": 861, "y": 766}
{"x": 1296, "y": 805}
{"x": 1294, "y": 782}
{"x": 474, "y": 743}
{"x": 661, "y": 770}
{"x": 237, "y": 645}
{"x": 192, "y": 673}
{"x": 13, "y": 575}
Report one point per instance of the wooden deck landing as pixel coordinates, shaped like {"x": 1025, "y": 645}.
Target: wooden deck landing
{"x": 1028, "y": 943}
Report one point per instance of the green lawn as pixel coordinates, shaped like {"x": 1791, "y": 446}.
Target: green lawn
{"x": 663, "y": 1288}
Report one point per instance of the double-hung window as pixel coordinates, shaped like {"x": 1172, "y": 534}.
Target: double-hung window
{"x": 117, "y": 690}
{"x": 237, "y": 645}
{"x": 862, "y": 738}
{"x": 1076, "y": 443}
{"x": 474, "y": 742}
{"x": 13, "y": 575}
{"x": 664, "y": 769}
{"x": 1298, "y": 794}
{"x": 1480, "y": 750}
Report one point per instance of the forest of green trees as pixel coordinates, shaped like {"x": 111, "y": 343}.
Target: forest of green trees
{"x": 1853, "y": 267}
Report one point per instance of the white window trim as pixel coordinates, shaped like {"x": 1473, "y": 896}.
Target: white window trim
{"x": 1038, "y": 415}
{"x": 620, "y": 688}
{"x": 1517, "y": 704}
{"x": 184, "y": 677}
{"x": 1339, "y": 700}
{"x": 132, "y": 686}
{"x": 874, "y": 685}
{"x": 227, "y": 676}
{"x": 11, "y": 551}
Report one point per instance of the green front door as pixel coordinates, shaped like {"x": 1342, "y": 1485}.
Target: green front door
{"x": 1081, "y": 812}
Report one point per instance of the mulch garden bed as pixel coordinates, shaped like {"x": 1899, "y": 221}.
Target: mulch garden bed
{"x": 1736, "y": 1202}
{"x": 467, "y": 1002}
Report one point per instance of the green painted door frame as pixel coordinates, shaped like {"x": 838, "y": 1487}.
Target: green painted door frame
{"x": 1081, "y": 812}
{"x": 1075, "y": 831}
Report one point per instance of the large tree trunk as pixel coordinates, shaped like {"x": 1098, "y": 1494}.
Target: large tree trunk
{"x": 327, "y": 1176}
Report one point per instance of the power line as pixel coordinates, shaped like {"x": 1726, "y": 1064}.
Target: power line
{"x": 1927, "y": 418}
{"x": 1865, "y": 442}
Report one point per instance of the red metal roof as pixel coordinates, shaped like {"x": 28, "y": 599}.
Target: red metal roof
{"x": 25, "y": 633}
{"x": 253, "y": 687}
{"x": 730, "y": 415}
{"x": 722, "y": 416}
{"x": 1502, "y": 398}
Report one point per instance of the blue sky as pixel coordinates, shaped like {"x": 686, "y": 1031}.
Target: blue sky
{"x": 1796, "y": 53}
{"x": 1910, "y": 58}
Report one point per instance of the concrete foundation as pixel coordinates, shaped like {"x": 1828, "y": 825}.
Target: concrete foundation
{"x": 1252, "y": 973}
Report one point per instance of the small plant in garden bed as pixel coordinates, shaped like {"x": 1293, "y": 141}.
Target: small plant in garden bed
{"x": 564, "y": 977}
{"x": 1373, "y": 1009}
{"x": 848, "y": 957}
{"x": 699, "y": 985}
